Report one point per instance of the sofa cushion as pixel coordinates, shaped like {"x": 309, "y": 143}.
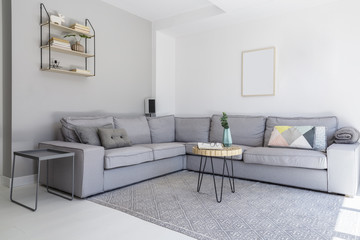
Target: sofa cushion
{"x": 162, "y": 129}
{"x": 121, "y": 157}
{"x": 286, "y": 157}
{"x": 192, "y": 129}
{"x": 137, "y": 128}
{"x": 293, "y": 137}
{"x": 89, "y": 135}
{"x": 166, "y": 150}
{"x": 330, "y": 123}
{"x": 245, "y": 130}
{"x": 189, "y": 146}
{"x": 69, "y": 124}
{"x": 113, "y": 138}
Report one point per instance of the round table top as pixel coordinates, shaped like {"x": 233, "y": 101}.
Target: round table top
{"x": 225, "y": 152}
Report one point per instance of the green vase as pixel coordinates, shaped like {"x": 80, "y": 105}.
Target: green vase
{"x": 227, "y": 141}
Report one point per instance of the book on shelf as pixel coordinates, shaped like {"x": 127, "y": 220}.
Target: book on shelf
{"x": 78, "y": 70}
{"x": 80, "y": 28}
{"x": 60, "y": 47}
{"x": 59, "y": 40}
{"x": 77, "y": 25}
{"x": 60, "y": 43}
{"x": 212, "y": 146}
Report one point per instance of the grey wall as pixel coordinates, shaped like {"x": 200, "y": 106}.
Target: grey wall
{"x": 1, "y": 90}
{"x": 123, "y": 72}
{"x": 5, "y": 87}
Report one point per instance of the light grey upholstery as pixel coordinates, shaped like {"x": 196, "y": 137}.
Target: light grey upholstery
{"x": 98, "y": 170}
{"x": 245, "y": 130}
{"x": 120, "y": 157}
{"x": 89, "y": 121}
{"x": 286, "y": 157}
{"x": 166, "y": 150}
{"x": 343, "y": 168}
{"x": 69, "y": 124}
{"x": 330, "y": 123}
{"x": 119, "y": 177}
{"x": 89, "y": 168}
{"x": 292, "y": 176}
{"x": 89, "y": 135}
{"x": 162, "y": 129}
{"x": 192, "y": 129}
{"x": 137, "y": 128}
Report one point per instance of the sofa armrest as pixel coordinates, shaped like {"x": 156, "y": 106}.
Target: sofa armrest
{"x": 89, "y": 168}
{"x": 343, "y": 168}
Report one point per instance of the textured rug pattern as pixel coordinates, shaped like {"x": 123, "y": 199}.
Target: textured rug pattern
{"x": 255, "y": 211}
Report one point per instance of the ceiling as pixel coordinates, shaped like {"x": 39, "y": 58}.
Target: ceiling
{"x": 181, "y": 17}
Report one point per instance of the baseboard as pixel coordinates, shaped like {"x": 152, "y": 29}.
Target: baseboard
{"x": 18, "y": 181}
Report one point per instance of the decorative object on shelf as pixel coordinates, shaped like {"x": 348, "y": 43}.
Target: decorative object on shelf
{"x": 57, "y": 19}
{"x": 77, "y": 46}
{"x": 55, "y": 64}
{"x": 227, "y": 140}
{"x": 50, "y": 42}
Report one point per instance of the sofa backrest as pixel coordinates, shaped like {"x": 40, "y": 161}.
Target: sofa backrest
{"x": 162, "y": 129}
{"x": 69, "y": 124}
{"x": 192, "y": 129}
{"x": 330, "y": 123}
{"x": 137, "y": 128}
{"x": 245, "y": 130}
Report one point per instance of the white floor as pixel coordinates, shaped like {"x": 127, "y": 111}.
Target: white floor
{"x": 58, "y": 218}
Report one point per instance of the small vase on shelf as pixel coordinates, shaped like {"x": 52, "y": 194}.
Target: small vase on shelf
{"x": 77, "y": 47}
{"x": 227, "y": 140}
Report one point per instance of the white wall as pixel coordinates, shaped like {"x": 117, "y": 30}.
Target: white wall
{"x": 165, "y": 74}
{"x": 123, "y": 72}
{"x": 317, "y": 65}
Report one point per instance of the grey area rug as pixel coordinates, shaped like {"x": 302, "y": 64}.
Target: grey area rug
{"x": 255, "y": 211}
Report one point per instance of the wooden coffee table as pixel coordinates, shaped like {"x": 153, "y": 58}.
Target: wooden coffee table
{"x": 226, "y": 152}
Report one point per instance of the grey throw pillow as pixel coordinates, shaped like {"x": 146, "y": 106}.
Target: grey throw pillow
{"x": 114, "y": 138}
{"x": 68, "y": 131}
{"x": 69, "y": 124}
{"x": 89, "y": 135}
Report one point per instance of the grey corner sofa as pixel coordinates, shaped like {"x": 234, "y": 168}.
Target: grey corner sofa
{"x": 163, "y": 145}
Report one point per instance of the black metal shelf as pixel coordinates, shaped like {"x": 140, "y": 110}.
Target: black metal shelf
{"x": 51, "y": 49}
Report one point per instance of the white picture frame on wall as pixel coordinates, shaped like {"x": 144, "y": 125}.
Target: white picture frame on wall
{"x": 258, "y": 72}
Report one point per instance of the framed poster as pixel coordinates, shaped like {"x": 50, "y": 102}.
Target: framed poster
{"x": 258, "y": 72}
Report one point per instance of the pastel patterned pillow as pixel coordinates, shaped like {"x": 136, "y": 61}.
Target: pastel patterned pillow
{"x": 293, "y": 137}
{"x": 320, "y": 138}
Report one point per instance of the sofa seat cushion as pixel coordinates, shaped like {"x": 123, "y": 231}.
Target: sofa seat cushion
{"x": 190, "y": 145}
{"x": 126, "y": 156}
{"x": 166, "y": 150}
{"x": 286, "y": 157}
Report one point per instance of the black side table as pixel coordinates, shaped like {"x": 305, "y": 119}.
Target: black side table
{"x": 42, "y": 155}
